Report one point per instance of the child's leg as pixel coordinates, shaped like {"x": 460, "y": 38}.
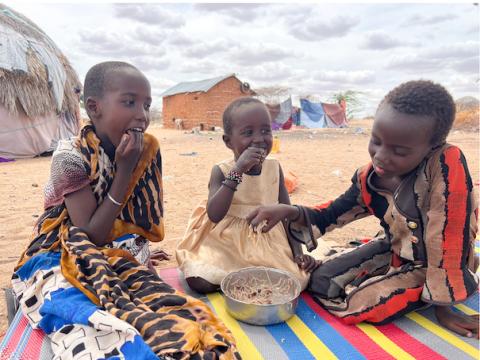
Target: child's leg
{"x": 201, "y": 285}
{"x": 339, "y": 270}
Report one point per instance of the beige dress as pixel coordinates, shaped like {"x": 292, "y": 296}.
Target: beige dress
{"x": 211, "y": 251}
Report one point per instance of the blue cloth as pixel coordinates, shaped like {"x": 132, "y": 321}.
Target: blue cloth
{"x": 42, "y": 261}
{"x": 311, "y": 114}
{"x": 65, "y": 307}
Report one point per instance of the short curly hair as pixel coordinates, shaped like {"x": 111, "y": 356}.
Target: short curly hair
{"x": 94, "y": 85}
{"x": 424, "y": 97}
{"x": 234, "y": 105}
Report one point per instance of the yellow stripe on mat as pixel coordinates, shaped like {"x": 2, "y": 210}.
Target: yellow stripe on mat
{"x": 444, "y": 334}
{"x": 244, "y": 345}
{"x": 384, "y": 342}
{"x": 318, "y": 349}
{"x": 466, "y": 309}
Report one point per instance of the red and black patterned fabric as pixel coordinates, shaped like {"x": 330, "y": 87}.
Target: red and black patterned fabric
{"x": 426, "y": 254}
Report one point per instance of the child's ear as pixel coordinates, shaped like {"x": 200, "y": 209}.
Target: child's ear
{"x": 226, "y": 140}
{"x": 92, "y": 107}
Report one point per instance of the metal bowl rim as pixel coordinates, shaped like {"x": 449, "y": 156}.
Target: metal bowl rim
{"x": 290, "y": 275}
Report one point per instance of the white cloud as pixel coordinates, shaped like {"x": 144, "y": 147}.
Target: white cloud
{"x": 416, "y": 20}
{"x": 180, "y": 39}
{"x": 150, "y": 14}
{"x": 469, "y": 66}
{"x": 203, "y": 67}
{"x": 314, "y": 48}
{"x": 205, "y": 49}
{"x": 101, "y": 42}
{"x": 460, "y": 56}
{"x": 381, "y": 41}
{"x": 145, "y": 63}
{"x": 256, "y": 53}
{"x": 346, "y": 77}
{"x": 152, "y": 36}
{"x": 316, "y": 28}
{"x": 269, "y": 73}
{"x": 238, "y": 12}
{"x": 455, "y": 50}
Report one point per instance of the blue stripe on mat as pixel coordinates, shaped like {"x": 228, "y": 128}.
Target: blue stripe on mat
{"x": 11, "y": 329}
{"x": 472, "y": 302}
{"x": 326, "y": 333}
{"x": 264, "y": 342}
{"x": 24, "y": 340}
{"x": 290, "y": 343}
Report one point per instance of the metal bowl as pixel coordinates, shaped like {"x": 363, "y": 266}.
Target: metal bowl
{"x": 241, "y": 304}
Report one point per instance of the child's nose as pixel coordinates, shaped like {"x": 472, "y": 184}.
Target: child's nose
{"x": 381, "y": 155}
{"x": 142, "y": 114}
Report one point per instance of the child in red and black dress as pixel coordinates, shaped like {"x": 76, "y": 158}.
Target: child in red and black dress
{"x": 420, "y": 189}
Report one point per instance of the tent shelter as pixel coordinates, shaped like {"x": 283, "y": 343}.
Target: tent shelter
{"x": 322, "y": 115}
{"x": 39, "y": 90}
{"x": 281, "y": 114}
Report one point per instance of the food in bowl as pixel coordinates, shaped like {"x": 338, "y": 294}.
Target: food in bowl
{"x": 253, "y": 289}
{"x": 260, "y": 295}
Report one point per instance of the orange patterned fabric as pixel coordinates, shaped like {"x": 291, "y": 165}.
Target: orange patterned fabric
{"x": 174, "y": 325}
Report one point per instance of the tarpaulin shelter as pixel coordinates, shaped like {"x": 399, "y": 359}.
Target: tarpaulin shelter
{"x": 322, "y": 115}
{"x": 39, "y": 90}
{"x": 281, "y": 114}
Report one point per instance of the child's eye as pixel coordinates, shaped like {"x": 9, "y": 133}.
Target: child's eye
{"x": 129, "y": 103}
{"x": 147, "y": 107}
{"x": 248, "y": 132}
{"x": 401, "y": 153}
{"x": 266, "y": 131}
{"x": 374, "y": 141}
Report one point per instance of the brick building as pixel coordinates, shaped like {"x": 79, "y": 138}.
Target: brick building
{"x": 201, "y": 103}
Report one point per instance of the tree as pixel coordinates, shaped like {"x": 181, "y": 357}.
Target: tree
{"x": 352, "y": 100}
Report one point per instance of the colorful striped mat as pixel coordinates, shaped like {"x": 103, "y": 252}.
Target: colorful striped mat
{"x": 310, "y": 334}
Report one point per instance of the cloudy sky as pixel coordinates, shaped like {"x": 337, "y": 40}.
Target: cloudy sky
{"x": 316, "y": 49}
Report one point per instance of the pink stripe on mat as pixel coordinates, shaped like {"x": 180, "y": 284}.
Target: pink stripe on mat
{"x": 408, "y": 343}
{"x": 352, "y": 334}
{"x": 9, "y": 351}
{"x": 35, "y": 342}
{"x": 170, "y": 276}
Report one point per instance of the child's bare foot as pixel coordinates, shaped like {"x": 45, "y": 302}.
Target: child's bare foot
{"x": 465, "y": 325}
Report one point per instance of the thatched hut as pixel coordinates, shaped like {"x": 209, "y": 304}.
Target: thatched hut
{"x": 39, "y": 90}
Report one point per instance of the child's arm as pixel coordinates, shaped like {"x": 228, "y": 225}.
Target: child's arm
{"x": 346, "y": 208}
{"x": 449, "y": 230}
{"x": 221, "y": 190}
{"x": 97, "y": 220}
{"x": 219, "y": 195}
{"x": 305, "y": 262}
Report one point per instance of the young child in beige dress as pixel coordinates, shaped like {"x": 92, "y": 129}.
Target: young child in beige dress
{"x": 218, "y": 239}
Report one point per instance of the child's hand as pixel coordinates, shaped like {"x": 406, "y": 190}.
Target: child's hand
{"x": 271, "y": 214}
{"x": 307, "y": 263}
{"x": 249, "y": 158}
{"x": 128, "y": 151}
{"x": 156, "y": 256}
{"x": 465, "y": 325}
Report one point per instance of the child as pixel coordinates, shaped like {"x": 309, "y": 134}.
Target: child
{"x": 83, "y": 278}
{"x": 420, "y": 189}
{"x": 218, "y": 239}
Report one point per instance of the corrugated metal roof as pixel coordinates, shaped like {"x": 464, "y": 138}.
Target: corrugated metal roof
{"x": 194, "y": 86}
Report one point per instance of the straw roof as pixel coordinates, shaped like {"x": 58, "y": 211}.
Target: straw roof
{"x": 47, "y": 82}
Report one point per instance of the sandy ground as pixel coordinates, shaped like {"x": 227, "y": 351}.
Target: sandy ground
{"x": 324, "y": 161}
